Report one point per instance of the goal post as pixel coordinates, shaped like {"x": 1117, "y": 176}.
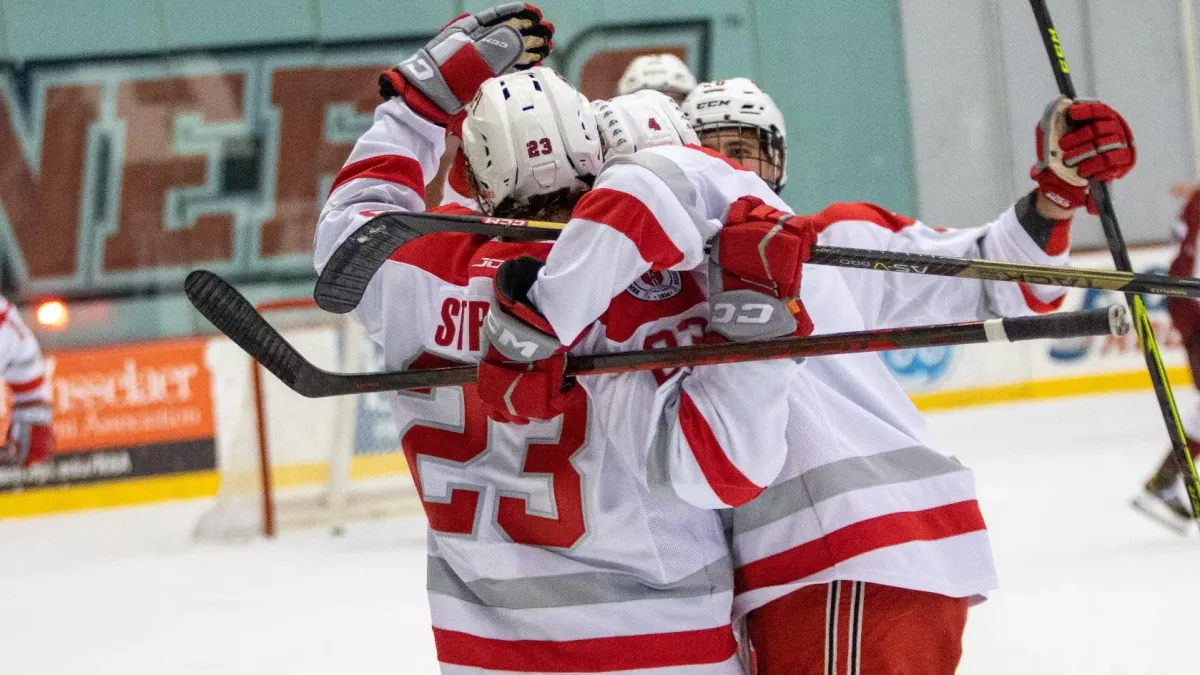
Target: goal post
{"x": 289, "y": 462}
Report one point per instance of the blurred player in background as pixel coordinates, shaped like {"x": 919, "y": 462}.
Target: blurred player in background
{"x": 30, "y": 438}
{"x": 866, "y": 550}
{"x": 666, "y": 73}
{"x": 1163, "y": 497}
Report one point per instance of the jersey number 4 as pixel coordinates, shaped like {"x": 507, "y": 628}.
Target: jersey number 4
{"x": 459, "y": 514}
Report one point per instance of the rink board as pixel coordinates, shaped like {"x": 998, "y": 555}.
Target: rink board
{"x": 123, "y": 387}
{"x": 303, "y": 432}
{"x": 950, "y": 377}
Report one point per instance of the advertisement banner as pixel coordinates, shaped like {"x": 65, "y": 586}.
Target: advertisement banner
{"x": 126, "y": 411}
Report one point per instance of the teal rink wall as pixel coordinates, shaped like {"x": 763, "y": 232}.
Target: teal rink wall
{"x": 836, "y": 69}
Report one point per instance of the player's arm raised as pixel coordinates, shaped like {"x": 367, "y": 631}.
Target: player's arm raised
{"x": 392, "y": 162}
{"x": 1075, "y": 142}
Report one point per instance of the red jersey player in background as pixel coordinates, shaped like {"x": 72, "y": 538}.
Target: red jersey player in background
{"x": 30, "y": 438}
{"x": 1162, "y": 497}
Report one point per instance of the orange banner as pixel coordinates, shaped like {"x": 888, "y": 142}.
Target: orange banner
{"x": 130, "y": 395}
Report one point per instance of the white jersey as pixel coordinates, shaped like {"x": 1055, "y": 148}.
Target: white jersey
{"x": 21, "y": 366}
{"x": 862, "y": 494}
{"x": 552, "y": 548}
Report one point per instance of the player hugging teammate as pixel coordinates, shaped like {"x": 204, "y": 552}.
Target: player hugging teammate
{"x": 623, "y": 523}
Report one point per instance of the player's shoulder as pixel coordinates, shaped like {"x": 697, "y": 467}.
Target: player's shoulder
{"x": 693, "y": 157}
{"x": 860, "y": 213}
{"x": 445, "y": 255}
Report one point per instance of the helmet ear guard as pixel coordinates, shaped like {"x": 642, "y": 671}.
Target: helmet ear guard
{"x": 529, "y": 134}
{"x": 739, "y": 103}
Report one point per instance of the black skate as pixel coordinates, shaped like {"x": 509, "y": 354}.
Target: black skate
{"x": 1167, "y": 507}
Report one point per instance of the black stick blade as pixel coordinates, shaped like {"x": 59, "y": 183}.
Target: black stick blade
{"x": 345, "y": 278}
{"x": 234, "y": 316}
{"x": 346, "y": 275}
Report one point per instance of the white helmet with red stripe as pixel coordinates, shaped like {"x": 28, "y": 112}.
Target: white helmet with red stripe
{"x": 660, "y": 72}
{"x": 644, "y": 119}
{"x": 528, "y": 134}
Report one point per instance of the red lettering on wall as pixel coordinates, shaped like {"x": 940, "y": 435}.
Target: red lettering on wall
{"x": 44, "y": 206}
{"x": 150, "y": 109}
{"x": 302, "y": 96}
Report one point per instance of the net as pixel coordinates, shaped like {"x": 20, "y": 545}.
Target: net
{"x": 286, "y": 461}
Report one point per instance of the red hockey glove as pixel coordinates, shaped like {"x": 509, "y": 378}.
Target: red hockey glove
{"x": 755, "y": 292}
{"x": 444, "y": 75}
{"x": 511, "y": 285}
{"x": 1078, "y": 141}
{"x": 517, "y": 393}
{"x": 30, "y": 438}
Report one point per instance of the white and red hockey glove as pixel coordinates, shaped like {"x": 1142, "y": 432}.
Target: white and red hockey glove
{"x": 1079, "y": 141}
{"x": 443, "y": 76}
{"x": 754, "y": 289}
{"x": 522, "y": 377}
{"x": 30, "y": 437}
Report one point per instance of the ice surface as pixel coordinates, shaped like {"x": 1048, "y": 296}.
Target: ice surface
{"x": 1088, "y": 585}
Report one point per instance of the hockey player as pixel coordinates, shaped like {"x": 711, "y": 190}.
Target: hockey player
{"x": 30, "y": 438}
{"x": 1162, "y": 496}
{"x": 863, "y": 506}
{"x": 666, "y": 73}
{"x": 548, "y": 550}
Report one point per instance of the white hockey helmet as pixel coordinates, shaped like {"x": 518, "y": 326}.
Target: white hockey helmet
{"x": 661, "y": 72}
{"x": 528, "y": 134}
{"x": 738, "y": 103}
{"x": 643, "y": 119}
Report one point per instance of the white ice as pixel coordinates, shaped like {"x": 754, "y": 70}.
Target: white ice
{"x": 1088, "y": 585}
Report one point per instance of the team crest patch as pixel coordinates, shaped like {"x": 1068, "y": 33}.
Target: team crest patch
{"x": 655, "y": 286}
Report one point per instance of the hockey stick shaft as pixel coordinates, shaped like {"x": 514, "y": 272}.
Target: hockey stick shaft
{"x": 1120, "y": 255}
{"x": 345, "y": 278}
{"x": 221, "y": 304}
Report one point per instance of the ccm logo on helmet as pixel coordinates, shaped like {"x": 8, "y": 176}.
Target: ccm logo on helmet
{"x": 713, "y": 104}
{"x": 749, "y": 313}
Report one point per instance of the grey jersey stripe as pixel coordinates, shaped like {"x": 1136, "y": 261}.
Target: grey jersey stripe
{"x": 566, "y": 590}
{"x": 847, "y": 475}
{"x": 677, "y": 181}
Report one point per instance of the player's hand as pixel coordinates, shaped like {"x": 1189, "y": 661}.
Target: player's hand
{"x": 520, "y": 392}
{"x": 1183, "y": 190}
{"x": 755, "y": 292}
{"x": 444, "y": 75}
{"x": 30, "y": 438}
{"x": 1080, "y": 141}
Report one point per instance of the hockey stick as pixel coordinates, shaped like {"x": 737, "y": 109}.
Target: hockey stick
{"x": 1120, "y": 255}
{"x": 234, "y": 316}
{"x": 345, "y": 277}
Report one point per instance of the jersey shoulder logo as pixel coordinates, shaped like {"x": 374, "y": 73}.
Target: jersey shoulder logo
{"x": 655, "y": 286}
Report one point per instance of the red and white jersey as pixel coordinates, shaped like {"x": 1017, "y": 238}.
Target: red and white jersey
{"x": 862, "y": 494}
{"x": 556, "y": 546}
{"x": 1185, "y": 312}
{"x": 21, "y": 366}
